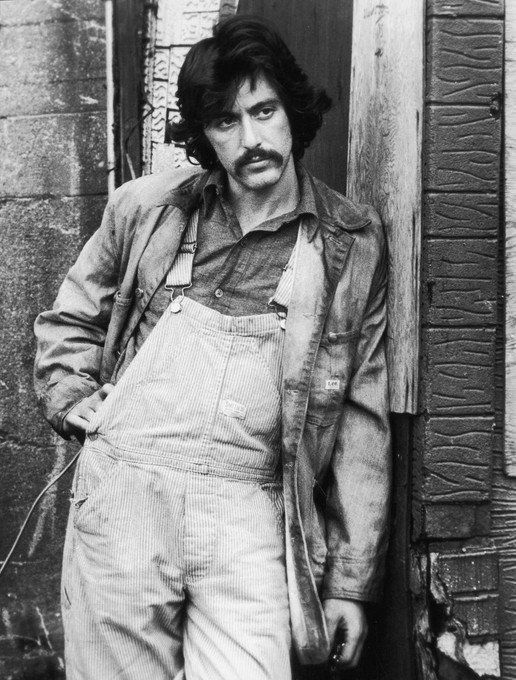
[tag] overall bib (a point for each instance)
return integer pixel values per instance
(174, 562)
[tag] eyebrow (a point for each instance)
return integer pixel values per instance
(255, 108)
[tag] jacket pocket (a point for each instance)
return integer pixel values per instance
(331, 377)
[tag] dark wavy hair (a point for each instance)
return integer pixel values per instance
(242, 47)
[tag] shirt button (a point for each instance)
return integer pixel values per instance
(138, 292)
(219, 293)
(332, 338)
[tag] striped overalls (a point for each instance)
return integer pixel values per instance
(174, 561)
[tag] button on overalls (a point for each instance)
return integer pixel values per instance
(174, 561)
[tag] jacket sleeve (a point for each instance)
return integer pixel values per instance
(357, 501)
(70, 337)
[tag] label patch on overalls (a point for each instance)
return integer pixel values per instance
(332, 384)
(233, 409)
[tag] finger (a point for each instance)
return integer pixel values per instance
(351, 649)
(75, 422)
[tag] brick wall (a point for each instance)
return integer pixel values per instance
(52, 193)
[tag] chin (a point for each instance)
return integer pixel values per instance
(261, 181)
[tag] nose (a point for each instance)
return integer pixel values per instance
(250, 138)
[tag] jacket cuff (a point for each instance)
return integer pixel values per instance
(57, 401)
(350, 579)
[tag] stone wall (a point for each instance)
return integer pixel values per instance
(458, 621)
(52, 193)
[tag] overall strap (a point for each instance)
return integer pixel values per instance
(180, 274)
(284, 290)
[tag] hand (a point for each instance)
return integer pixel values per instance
(79, 416)
(349, 617)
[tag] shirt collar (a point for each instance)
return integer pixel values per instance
(215, 186)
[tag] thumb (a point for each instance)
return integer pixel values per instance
(105, 390)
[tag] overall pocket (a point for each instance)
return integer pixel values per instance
(93, 479)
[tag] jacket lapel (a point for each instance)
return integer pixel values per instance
(161, 248)
(318, 269)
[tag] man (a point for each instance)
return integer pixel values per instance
(219, 345)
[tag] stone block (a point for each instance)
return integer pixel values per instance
(478, 613)
(454, 459)
(462, 149)
(468, 571)
(40, 240)
(464, 60)
(448, 520)
(19, 12)
(60, 154)
(52, 67)
(457, 8)
(461, 215)
(460, 282)
(459, 375)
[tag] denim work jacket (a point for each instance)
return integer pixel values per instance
(335, 426)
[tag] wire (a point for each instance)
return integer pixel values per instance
(33, 507)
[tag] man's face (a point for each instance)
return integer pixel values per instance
(252, 140)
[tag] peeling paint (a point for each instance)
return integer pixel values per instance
(88, 100)
(482, 658)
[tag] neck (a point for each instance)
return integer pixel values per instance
(254, 206)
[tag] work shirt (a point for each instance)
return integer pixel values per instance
(234, 274)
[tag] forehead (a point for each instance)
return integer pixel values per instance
(249, 94)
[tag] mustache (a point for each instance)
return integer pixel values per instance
(261, 154)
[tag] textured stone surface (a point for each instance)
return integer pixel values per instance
(463, 149)
(61, 154)
(41, 239)
(460, 279)
(456, 458)
(470, 570)
(478, 613)
(457, 8)
(458, 379)
(17, 12)
(449, 520)
(461, 215)
(464, 60)
(52, 67)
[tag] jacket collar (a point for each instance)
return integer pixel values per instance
(325, 206)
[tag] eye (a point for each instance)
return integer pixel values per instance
(225, 122)
(266, 113)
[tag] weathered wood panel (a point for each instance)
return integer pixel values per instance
(510, 247)
(460, 279)
(459, 375)
(463, 149)
(466, 7)
(384, 165)
(461, 215)
(456, 464)
(463, 63)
